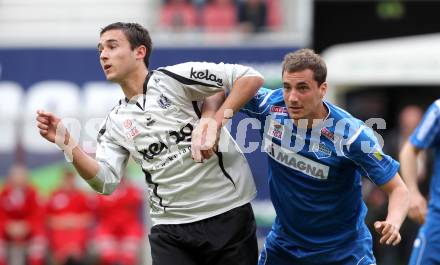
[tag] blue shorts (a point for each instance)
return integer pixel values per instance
(276, 252)
(426, 248)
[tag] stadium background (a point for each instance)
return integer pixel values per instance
(381, 57)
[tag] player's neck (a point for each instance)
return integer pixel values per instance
(133, 84)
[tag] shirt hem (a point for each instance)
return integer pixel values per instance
(205, 216)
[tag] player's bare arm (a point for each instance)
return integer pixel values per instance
(418, 206)
(397, 209)
(242, 91)
(204, 143)
(205, 138)
(51, 129)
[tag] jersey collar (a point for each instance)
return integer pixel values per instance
(140, 100)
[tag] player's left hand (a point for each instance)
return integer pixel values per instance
(389, 233)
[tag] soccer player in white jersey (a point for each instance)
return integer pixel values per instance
(200, 211)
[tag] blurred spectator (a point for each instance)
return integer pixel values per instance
(178, 15)
(408, 119)
(22, 235)
(69, 219)
(274, 14)
(219, 16)
(252, 15)
(119, 229)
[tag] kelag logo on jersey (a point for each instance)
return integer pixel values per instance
(206, 76)
(174, 137)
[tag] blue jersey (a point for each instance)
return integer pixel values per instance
(426, 247)
(315, 174)
(427, 135)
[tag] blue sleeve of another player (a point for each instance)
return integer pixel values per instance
(258, 104)
(427, 133)
(366, 153)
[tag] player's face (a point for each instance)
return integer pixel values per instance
(116, 56)
(303, 96)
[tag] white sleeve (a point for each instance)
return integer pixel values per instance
(204, 79)
(112, 160)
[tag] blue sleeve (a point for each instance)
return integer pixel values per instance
(367, 154)
(427, 132)
(258, 104)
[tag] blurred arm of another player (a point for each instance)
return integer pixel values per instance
(417, 204)
(397, 209)
(205, 137)
(52, 129)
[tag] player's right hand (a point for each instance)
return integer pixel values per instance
(389, 233)
(204, 139)
(47, 122)
(417, 207)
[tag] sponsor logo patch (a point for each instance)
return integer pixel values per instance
(321, 150)
(206, 76)
(378, 156)
(276, 130)
(174, 138)
(278, 110)
(132, 132)
(127, 124)
(328, 134)
(296, 161)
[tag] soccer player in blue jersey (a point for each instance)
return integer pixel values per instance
(317, 155)
(426, 249)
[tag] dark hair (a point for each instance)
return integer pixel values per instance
(306, 59)
(136, 34)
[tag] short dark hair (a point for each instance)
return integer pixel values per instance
(306, 59)
(136, 34)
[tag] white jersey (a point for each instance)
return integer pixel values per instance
(155, 129)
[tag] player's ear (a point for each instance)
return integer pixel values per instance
(323, 89)
(141, 52)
